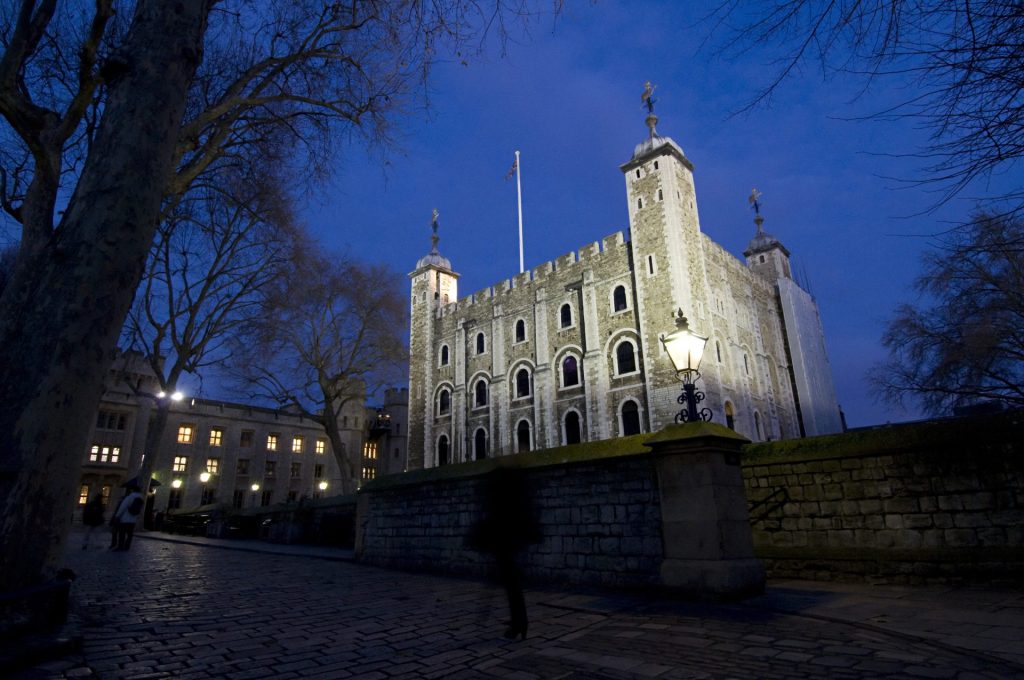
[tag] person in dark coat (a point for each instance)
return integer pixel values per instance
(507, 527)
(92, 517)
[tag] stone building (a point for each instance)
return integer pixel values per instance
(284, 454)
(571, 350)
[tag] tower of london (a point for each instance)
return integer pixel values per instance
(570, 351)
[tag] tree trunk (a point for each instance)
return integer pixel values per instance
(341, 455)
(61, 313)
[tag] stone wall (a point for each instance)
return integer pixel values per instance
(600, 518)
(924, 502)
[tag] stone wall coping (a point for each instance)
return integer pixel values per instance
(933, 436)
(972, 554)
(696, 435)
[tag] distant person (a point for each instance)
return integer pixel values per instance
(508, 526)
(125, 517)
(92, 517)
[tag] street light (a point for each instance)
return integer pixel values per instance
(685, 348)
(176, 484)
(322, 486)
(204, 477)
(255, 488)
(176, 396)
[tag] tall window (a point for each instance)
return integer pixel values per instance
(522, 383)
(442, 450)
(298, 443)
(619, 298)
(480, 343)
(83, 494)
(272, 441)
(718, 351)
(270, 468)
(730, 417)
(320, 447)
(180, 464)
(185, 433)
(296, 470)
(520, 331)
(565, 316)
(625, 358)
(444, 355)
(572, 428)
(216, 436)
(266, 497)
(630, 418)
(107, 420)
(242, 467)
(570, 372)
(480, 393)
(523, 436)
(238, 499)
(757, 424)
(174, 499)
(370, 450)
(746, 365)
(480, 444)
(245, 439)
(318, 471)
(213, 465)
(444, 402)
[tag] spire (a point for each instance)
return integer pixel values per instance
(762, 241)
(434, 257)
(647, 98)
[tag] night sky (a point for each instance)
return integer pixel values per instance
(835, 188)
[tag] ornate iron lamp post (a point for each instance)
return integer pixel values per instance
(685, 348)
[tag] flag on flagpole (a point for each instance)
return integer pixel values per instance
(512, 171)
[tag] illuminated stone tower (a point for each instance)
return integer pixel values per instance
(434, 285)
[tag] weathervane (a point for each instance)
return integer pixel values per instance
(435, 238)
(755, 201)
(648, 100)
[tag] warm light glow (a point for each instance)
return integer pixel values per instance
(323, 486)
(255, 487)
(161, 394)
(176, 484)
(204, 477)
(177, 396)
(685, 348)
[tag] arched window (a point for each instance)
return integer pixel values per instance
(572, 428)
(444, 403)
(570, 372)
(520, 331)
(730, 417)
(480, 444)
(480, 393)
(523, 436)
(480, 343)
(566, 315)
(630, 418)
(522, 383)
(757, 425)
(619, 298)
(444, 355)
(625, 358)
(442, 450)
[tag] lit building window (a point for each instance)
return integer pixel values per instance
(297, 444)
(369, 473)
(370, 450)
(185, 433)
(272, 442)
(216, 436)
(83, 494)
(212, 465)
(180, 464)
(104, 454)
(321, 446)
(105, 492)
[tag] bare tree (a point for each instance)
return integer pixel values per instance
(332, 334)
(209, 268)
(120, 107)
(964, 342)
(964, 62)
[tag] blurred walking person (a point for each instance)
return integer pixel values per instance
(126, 517)
(92, 517)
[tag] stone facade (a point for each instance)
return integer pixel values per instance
(286, 454)
(571, 350)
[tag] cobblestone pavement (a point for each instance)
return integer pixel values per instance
(174, 610)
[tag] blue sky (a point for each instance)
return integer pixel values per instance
(568, 97)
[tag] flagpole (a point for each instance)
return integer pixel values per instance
(519, 201)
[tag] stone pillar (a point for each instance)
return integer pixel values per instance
(708, 543)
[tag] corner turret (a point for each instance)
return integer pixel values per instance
(765, 254)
